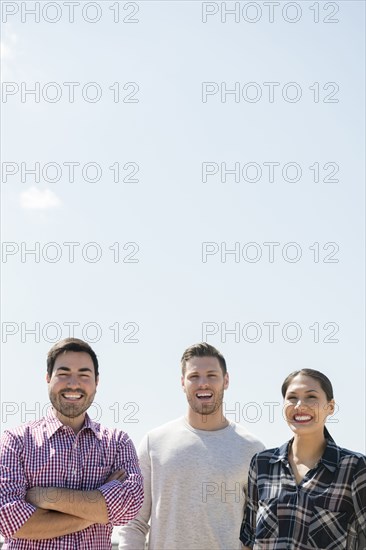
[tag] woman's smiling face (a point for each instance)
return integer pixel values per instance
(306, 406)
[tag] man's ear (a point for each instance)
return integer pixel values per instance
(226, 381)
(97, 381)
(182, 383)
(48, 378)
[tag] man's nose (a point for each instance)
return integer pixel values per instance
(72, 382)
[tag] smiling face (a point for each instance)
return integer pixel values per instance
(306, 406)
(72, 386)
(204, 384)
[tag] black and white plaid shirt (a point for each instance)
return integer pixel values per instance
(327, 510)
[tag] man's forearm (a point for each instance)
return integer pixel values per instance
(44, 524)
(88, 505)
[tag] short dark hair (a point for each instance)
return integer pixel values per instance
(202, 350)
(70, 344)
(324, 382)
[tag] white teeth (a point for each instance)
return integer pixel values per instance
(204, 394)
(302, 418)
(72, 396)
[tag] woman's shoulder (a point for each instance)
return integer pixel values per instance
(275, 454)
(351, 456)
(351, 463)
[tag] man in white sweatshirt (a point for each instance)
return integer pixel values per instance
(195, 468)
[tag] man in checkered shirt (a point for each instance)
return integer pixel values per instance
(66, 480)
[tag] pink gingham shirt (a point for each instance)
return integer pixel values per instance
(48, 454)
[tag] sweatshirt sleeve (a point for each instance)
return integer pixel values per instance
(133, 535)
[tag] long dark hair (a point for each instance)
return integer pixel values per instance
(324, 382)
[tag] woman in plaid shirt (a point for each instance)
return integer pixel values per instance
(309, 493)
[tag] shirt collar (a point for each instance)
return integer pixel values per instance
(53, 424)
(330, 457)
(281, 453)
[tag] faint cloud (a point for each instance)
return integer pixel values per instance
(35, 199)
(4, 51)
(8, 44)
(9, 52)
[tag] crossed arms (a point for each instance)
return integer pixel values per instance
(67, 509)
(49, 512)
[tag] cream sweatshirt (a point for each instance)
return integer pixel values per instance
(195, 484)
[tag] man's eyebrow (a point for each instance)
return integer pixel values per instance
(306, 391)
(67, 369)
(211, 371)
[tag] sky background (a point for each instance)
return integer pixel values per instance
(150, 271)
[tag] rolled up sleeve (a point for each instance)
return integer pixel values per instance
(14, 510)
(124, 499)
(358, 490)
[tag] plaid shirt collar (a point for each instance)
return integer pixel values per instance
(53, 424)
(330, 458)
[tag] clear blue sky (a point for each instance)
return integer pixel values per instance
(151, 98)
